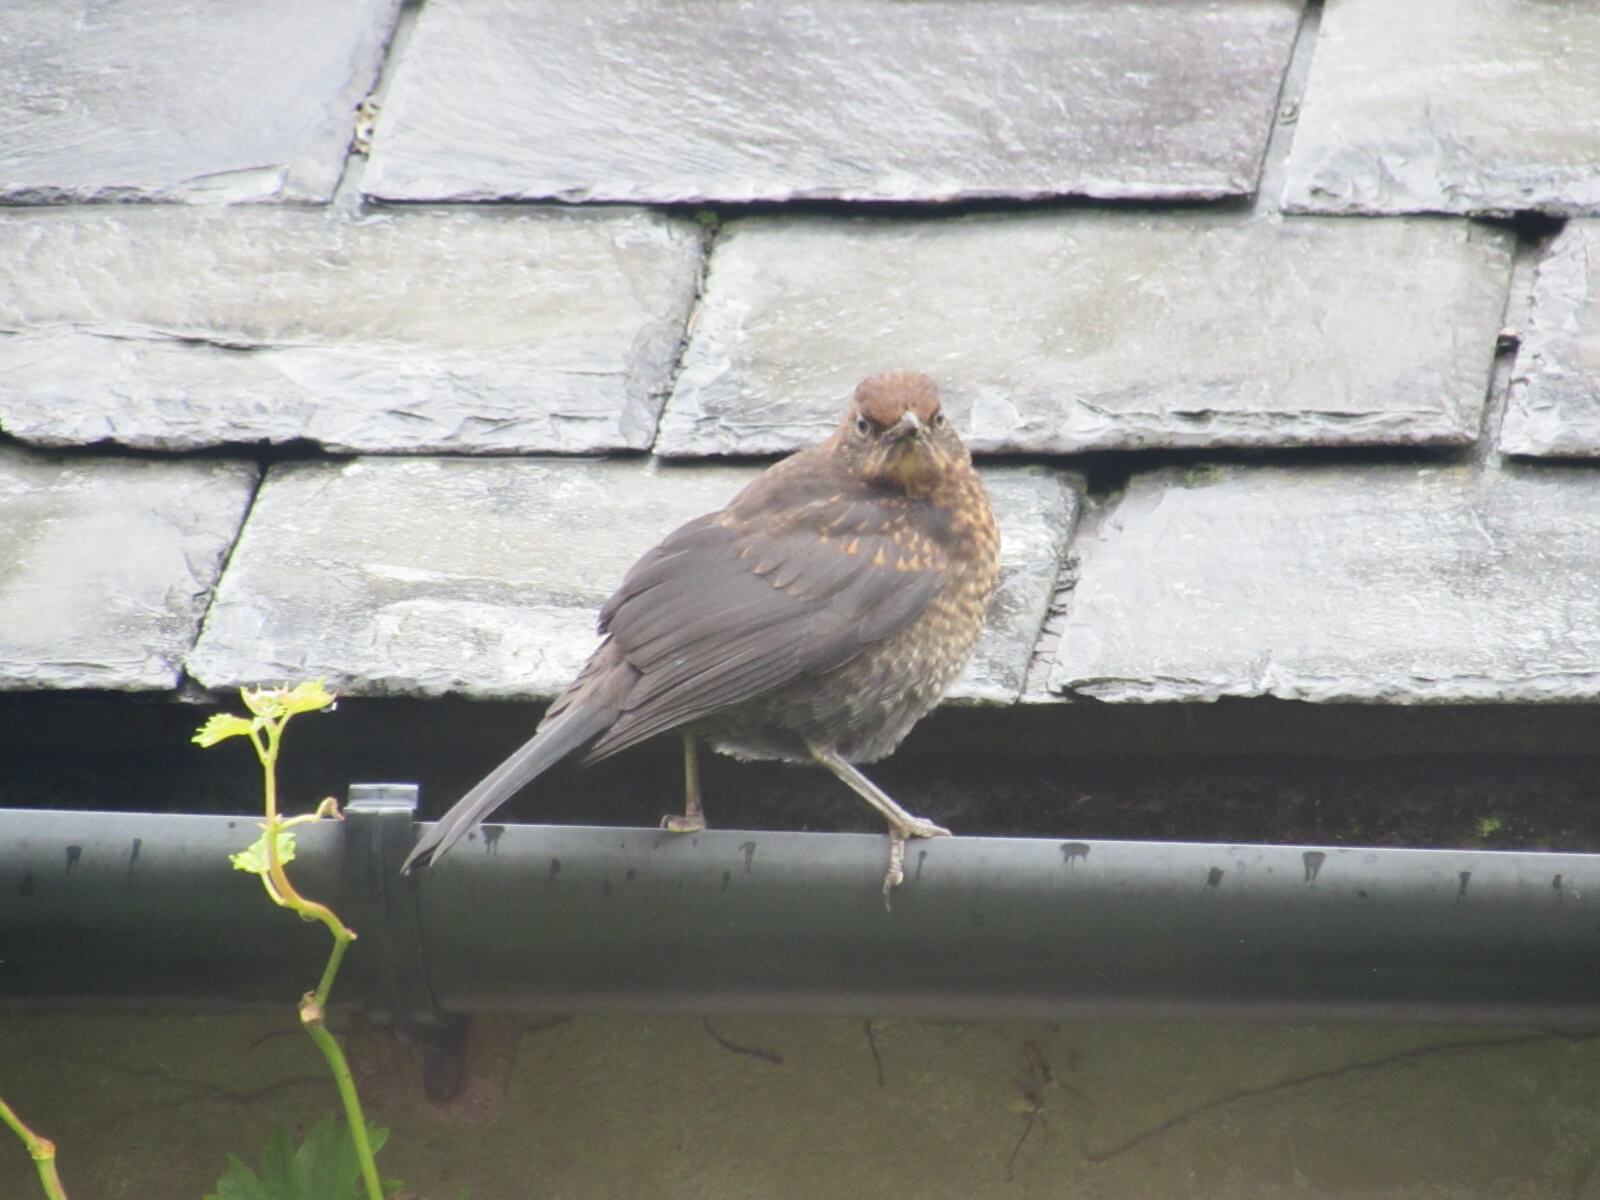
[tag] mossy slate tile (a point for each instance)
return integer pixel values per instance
(493, 330)
(1554, 407)
(1075, 331)
(427, 576)
(1333, 584)
(189, 100)
(108, 565)
(671, 100)
(1440, 106)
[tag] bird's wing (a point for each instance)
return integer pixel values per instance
(734, 604)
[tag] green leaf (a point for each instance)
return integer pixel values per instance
(326, 1164)
(324, 1167)
(222, 726)
(240, 1182)
(307, 697)
(277, 703)
(254, 859)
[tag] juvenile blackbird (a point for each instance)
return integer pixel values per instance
(816, 618)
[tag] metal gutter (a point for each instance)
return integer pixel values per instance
(136, 909)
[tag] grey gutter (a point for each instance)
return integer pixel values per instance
(126, 909)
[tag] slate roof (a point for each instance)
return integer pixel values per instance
(1277, 331)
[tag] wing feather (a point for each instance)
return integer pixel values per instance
(737, 603)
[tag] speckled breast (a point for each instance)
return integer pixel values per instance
(865, 708)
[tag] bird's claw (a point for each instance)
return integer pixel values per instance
(680, 823)
(917, 827)
(896, 874)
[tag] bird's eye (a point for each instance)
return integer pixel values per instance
(863, 426)
(938, 420)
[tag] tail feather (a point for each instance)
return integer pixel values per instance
(556, 740)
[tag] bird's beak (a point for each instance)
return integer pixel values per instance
(910, 459)
(909, 425)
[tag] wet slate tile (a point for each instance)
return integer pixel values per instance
(1554, 407)
(641, 100)
(420, 576)
(1072, 331)
(490, 330)
(109, 563)
(197, 100)
(1037, 509)
(1438, 106)
(1380, 584)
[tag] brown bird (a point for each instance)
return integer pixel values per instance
(816, 618)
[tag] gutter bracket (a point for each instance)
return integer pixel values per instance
(380, 827)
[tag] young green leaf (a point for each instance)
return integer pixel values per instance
(276, 703)
(324, 1167)
(254, 859)
(222, 726)
(307, 697)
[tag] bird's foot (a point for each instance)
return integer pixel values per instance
(899, 833)
(896, 874)
(683, 823)
(918, 827)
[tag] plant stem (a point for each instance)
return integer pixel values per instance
(311, 1014)
(335, 957)
(43, 1151)
(286, 894)
(313, 1005)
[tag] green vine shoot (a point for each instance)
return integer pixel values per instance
(42, 1149)
(271, 709)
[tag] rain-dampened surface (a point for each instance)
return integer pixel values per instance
(375, 341)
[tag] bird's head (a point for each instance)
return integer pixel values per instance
(896, 435)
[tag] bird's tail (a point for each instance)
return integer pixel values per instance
(538, 754)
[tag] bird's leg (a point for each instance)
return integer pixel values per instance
(902, 825)
(694, 817)
(907, 825)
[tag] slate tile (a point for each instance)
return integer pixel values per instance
(1382, 584)
(1072, 331)
(416, 576)
(490, 330)
(1037, 509)
(1439, 106)
(190, 100)
(645, 100)
(109, 564)
(1554, 407)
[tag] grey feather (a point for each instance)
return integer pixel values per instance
(554, 741)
